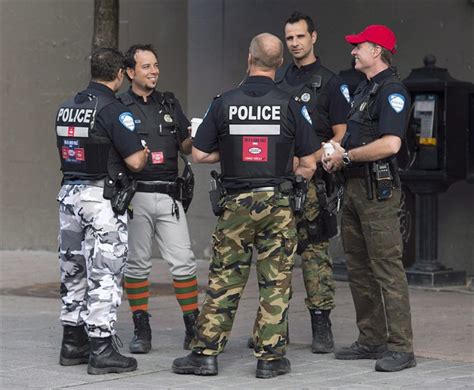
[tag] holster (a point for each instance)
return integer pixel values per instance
(186, 184)
(120, 192)
(217, 194)
(324, 226)
(298, 194)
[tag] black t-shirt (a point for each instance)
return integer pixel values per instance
(116, 121)
(337, 103)
(306, 141)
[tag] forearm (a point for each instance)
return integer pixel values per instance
(377, 150)
(306, 166)
(200, 157)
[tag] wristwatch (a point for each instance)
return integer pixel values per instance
(346, 160)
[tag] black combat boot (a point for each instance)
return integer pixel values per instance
(105, 358)
(395, 361)
(195, 364)
(322, 335)
(272, 368)
(141, 341)
(360, 351)
(75, 347)
(190, 321)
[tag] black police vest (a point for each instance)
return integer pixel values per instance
(256, 141)
(314, 95)
(363, 118)
(158, 129)
(83, 150)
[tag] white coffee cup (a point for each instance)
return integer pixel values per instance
(328, 149)
(195, 122)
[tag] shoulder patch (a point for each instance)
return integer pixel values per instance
(126, 119)
(345, 92)
(397, 102)
(305, 113)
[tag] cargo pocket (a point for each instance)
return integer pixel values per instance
(385, 239)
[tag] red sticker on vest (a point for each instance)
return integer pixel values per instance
(70, 131)
(157, 158)
(255, 149)
(73, 154)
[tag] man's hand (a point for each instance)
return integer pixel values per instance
(333, 162)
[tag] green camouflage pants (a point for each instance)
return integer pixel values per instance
(264, 221)
(316, 261)
(373, 246)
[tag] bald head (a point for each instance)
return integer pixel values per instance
(266, 52)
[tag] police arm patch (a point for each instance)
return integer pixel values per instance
(397, 102)
(345, 92)
(126, 119)
(305, 113)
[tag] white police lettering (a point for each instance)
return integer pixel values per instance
(256, 113)
(345, 92)
(397, 102)
(75, 115)
(126, 119)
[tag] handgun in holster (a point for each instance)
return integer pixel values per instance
(186, 184)
(125, 189)
(300, 188)
(327, 218)
(217, 193)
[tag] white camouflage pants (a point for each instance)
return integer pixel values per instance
(92, 254)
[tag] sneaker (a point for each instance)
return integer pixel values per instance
(360, 351)
(395, 361)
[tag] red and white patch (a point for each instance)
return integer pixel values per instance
(157, 158)
(255, 149)
(70, 131)
(73, 154)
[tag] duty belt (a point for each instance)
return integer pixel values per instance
(96, 183)
(246, 190)
(162, 188)
(355, 172)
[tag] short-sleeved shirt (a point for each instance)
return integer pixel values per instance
(336, 104)
(391, 107)
(207, 136)
(110, 121)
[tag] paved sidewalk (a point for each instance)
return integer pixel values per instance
(31, 334)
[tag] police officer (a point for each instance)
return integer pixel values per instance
(157, 209)
(95, 138)
(254, 131)
(327, 99)
(370, 214)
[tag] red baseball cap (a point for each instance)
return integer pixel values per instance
(375, 33)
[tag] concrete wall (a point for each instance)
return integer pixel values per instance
(203, 48)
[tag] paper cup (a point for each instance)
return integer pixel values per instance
(328, 149)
